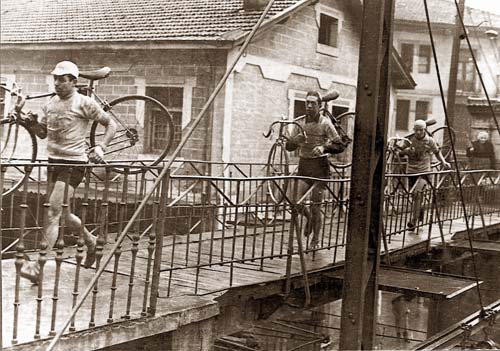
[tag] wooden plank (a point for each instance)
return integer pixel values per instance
(484, 246)
(420, 283)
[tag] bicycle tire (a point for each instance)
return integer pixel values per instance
(442, 136)
(277, 165)
(18, 146)
(149, 135)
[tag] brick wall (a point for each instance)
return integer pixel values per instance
(149, 67)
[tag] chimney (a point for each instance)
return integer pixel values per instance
(254, 5)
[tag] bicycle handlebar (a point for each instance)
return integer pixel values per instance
(282, 123)
(38, 96)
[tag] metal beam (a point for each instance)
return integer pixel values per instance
(469, 326)
(367, 178)
(455, 53)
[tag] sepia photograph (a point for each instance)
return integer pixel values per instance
(249, 175)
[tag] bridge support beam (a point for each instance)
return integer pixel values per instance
(359, 298)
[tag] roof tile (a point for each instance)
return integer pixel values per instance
(28, 21)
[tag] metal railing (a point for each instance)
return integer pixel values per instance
(198, 234)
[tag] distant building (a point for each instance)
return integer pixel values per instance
(411, 38)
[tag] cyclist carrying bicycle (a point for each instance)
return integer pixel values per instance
(64, 123)
(321, 138)
(419, 151)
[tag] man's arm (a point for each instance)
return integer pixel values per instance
(39, 128)
(295, 140)
(441, 159)
(109, 133)
(435, 148)
(334, 143)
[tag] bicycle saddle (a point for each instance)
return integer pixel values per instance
(100, 73)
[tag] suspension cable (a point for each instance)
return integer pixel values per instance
(457, 170)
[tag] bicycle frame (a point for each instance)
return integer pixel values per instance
(91, 92)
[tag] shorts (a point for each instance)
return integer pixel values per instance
(61, 172)
(421, 179)
(314, 167)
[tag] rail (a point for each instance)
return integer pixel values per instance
(215, 233)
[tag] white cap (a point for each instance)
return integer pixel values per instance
(66, 67)
(420, 123)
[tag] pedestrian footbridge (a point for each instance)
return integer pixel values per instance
(205, 254)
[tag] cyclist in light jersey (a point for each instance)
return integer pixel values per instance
(64, 123)
(321, 135)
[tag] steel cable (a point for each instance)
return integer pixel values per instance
(454, 153)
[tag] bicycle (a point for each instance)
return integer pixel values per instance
(395, 164)
(444, 137)
(278, 160)
(144, 136)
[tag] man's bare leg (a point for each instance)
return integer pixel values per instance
(30, 270)
(302, 187)
(316, 217)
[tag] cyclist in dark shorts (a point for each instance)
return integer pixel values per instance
(64, 123)
(419, 152)
(320, 140)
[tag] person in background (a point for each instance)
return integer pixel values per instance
(482, 153)
(64, 123)
(419, 152)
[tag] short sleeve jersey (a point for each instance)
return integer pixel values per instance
(317, 133)
(67, 123)
(420, 159)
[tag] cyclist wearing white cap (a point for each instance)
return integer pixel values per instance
(64, 123)
(419, 153)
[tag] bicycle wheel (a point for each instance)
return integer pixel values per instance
(343, 160)
(442, 136)
(144, 136)
(277, 165)
(18, 146)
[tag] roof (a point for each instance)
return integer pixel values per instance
(442, 11)
(401, 77)
(78, 21)
(49, 21)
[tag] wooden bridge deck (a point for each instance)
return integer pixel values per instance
(177, 282)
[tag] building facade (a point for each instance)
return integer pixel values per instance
(412, 40)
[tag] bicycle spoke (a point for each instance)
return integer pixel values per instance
(145, 135)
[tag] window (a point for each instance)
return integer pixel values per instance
(338, 110)
(329, 22)
(402, 114)
(424, 59)
(422, 110)
(466, 77)
(172, 99)
(299, 108)
(328, 30)
(407, 56)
